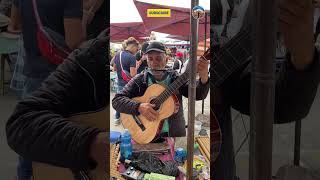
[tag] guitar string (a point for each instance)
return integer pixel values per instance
(170, 90)
(163, 96)
(237, 60)
(232, 42)
(235, 43)
(177, 83)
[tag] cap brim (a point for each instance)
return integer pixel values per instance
(154, 49)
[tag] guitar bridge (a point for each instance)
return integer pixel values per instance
(139, 123)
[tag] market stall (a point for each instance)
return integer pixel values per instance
(158, 160)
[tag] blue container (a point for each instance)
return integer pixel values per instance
(114, 137)
(126, 146)
(180, 155)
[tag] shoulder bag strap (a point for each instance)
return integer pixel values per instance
(121, 60)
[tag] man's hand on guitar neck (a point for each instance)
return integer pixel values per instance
(98, 151)
(146, 109)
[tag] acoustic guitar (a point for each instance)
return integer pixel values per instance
(226, 60)
(42, 171)
(141, 129)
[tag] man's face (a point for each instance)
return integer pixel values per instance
(156, 60)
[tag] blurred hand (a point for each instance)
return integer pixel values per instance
(296, 25)
(316, 3)
(146, 109)
(202, 68)
(99, 151)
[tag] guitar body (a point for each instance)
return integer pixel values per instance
(151, 127)
(42, 171)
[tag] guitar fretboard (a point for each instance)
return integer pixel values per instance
(173, 87)
(233, 55)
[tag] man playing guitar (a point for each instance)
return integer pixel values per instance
(173, 126)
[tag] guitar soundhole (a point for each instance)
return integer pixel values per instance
(155, 102)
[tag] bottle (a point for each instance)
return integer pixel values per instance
(126, 146)
(180, 155)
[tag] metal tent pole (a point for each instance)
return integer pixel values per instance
(297, 143)
(192, 89)
(263, 88)
(205, 48)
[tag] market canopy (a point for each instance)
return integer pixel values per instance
(177, 24)
(178, 37)
(122, 31)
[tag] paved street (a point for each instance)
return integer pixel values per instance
(283, 143)
(8, 158)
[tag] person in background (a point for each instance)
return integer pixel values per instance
(63, 17)
(178, 62)
(5, 6)
(141, 58)
(125, 63)
(94, 17)
(17, 80)
(14, 30)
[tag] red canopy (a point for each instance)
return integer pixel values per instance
(178, 37)
(122, 31)
(178, 24)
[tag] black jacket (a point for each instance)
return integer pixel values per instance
(38, 129)
(137, 86)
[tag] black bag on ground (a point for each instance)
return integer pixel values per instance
(147, 162)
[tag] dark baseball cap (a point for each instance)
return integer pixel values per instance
(156, 46)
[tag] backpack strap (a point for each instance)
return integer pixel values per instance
(180, 65)
(121, 60)
(36, 14)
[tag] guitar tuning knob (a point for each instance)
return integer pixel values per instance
(198, 12)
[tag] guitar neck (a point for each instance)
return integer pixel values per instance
(173, 87)
(232, 56)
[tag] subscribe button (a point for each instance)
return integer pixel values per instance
(158, 13)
